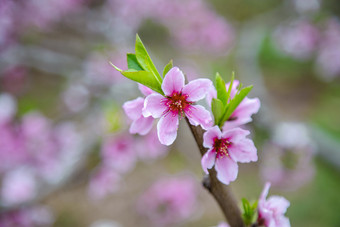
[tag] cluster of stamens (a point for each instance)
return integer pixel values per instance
(177, 104)
(221, 147)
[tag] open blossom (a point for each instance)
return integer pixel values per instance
(133, 109)
(178, 101)
(225, 150)
(242, 114)
(271, 210)
(169, 201)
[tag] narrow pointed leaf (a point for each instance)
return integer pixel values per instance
(235, 102)
(133, 63)
(217, 109)
(144, 59)
(145, 78)
(116, 68)
(167, 68)
(221, 89)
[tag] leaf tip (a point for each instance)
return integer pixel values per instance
(118, 69)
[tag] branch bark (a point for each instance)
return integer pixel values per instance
(222, 193)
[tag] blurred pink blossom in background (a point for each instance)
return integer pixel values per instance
(169, 201)
(287, 159)
(298, 39)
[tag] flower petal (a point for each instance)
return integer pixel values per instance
(208, 160)
(154, 106)
(235, 135)
(278, 203)
(167, 129)
(212, 93)
(244, 151)
(226, 169)
(265, 191)
(210, 135)
(196, 89)
(173, 81)
(133, 108)
(198, 115)
(141, 126)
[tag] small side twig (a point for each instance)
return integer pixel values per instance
(219, 191)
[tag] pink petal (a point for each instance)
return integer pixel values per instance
(133, 108)
(167, 129)
(198, 115)
(145, 90)
(234, 88)
(210, 135)
(212, 93)
(278, 203)
(196, 89)
(235, 135)
(283, 222)
(265, 191)
(154, 106)
(243, 113)
(141, 126)
(226, 169)
(208, 160)
(244, 151)
(173, 81)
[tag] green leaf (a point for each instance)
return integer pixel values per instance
(217, 108)
(145, 78)
(235, 102)
(249, 212)
(116, 68)
(221, 89)
(133, 63)
(144, 59)
(167, 68)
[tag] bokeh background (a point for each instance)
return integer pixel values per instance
(61, 119)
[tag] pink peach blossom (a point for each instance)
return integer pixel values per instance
(271, 210)
(178, 101)
(242, 114)
(225, 150)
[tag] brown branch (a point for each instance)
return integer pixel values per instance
(219, 191)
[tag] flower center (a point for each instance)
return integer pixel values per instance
(177, 103)
(221, 147)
